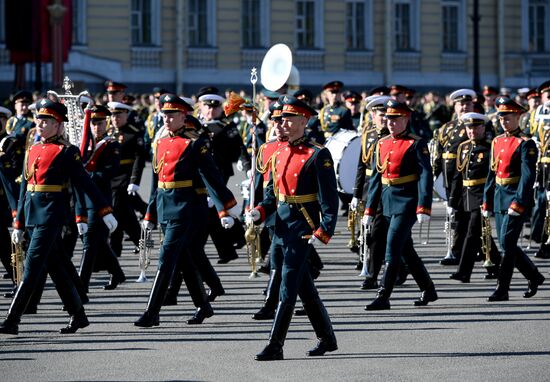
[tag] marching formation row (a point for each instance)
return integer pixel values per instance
(376, 156)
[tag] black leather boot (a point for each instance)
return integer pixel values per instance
(274, 350)
(267, 312)
(382, 300)
(116, 279)
(500, 294)
(533, 286)
(77, 321)
(18, 305)
(322, 326)
(171, 297)
(427, 296)
(201, 314)
(151, 315)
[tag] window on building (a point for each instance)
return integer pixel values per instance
(251, 23)
(305, 24)
(453, 28)
(406, 21)
(356, 25)
(142, 22)
(201, 23)
(79, 22)
(538, 19)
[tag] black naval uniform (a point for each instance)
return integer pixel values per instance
(102, 165)
(132, 161)
(473, 158)
(541, 201)
(226, 145)
(449, 137)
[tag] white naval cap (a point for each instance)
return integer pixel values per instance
(211, 99)
(5, 111)
(474, 118)
(119, 106)
(462, 94)
(376, 102)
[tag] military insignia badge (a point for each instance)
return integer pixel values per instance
(327, 163)
(203, 150)
(532, 152)
(334, 118)
(425, 151)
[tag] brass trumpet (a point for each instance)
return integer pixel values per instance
(486, 241)
(354, 218)
(146, 245)
(253, 248)
(17, 260)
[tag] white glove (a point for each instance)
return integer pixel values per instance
(17, 236)
(315, 242)
(82, 228)
(248, 173)
(485, 213)
(210, 202)
(147, 225)
(422, 218)
(227, 222)
(367, 220)
(536, 185)
(547, 195)
(252, 216)
(110, 222)
(354, 202)
(512, 212)
(450, 211)
(132, 189)
(240, 166)
(234, 212)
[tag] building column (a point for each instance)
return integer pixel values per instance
(388, 43)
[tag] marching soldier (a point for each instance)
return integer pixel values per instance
(179, 160)
(313, 128)
(352, 101)
(509, 192)
(448, 138)
(226, 145)
(21, 123)
(527, 121)
(102, 165)
(49, 164)
(473, 157)
(126, 180)
(542, 189)
(402, 181)
(334, 116)
(302, 194)
(153, 123)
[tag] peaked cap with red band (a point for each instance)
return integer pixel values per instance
(293, 106)
(173, 103)
(50, 109)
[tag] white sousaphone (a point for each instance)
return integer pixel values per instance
(277, 70)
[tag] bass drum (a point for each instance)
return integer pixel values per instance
(345, 148)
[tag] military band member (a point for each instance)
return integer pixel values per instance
(527, 121)
(402, 181)
(448, 138)
(226, 145)
(179, 159)
(473, 158)
(352, 100)
(509, 192)
(313, 128)
(21, 123)
(126, 180)
(49, 164)
(302, 193)
(102, 165)
(542, 189)
(334, 116)
(6, 205)
(154, 122)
